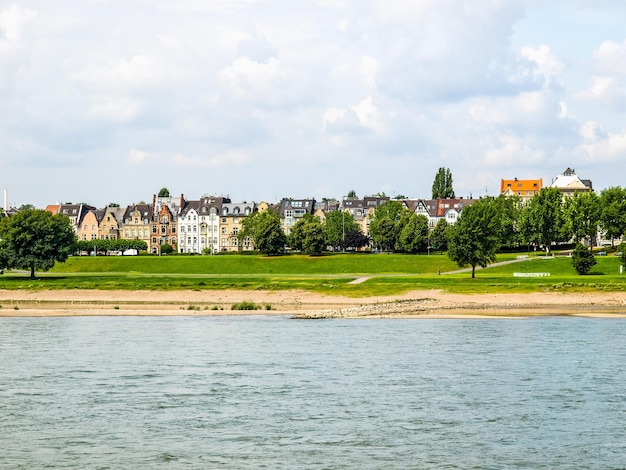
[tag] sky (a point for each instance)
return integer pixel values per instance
(108, 101)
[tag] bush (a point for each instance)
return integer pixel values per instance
(245, 305)
(582, 259)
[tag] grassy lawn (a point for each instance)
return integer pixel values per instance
(387, 274)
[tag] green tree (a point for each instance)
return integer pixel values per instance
(296, 237)
(508, 209)
(35, 239)
(352, 194)
(384, 225)
(414, 235)
(314, 239)
(613, 212)
(543, 219)
(384, 233)
(582, 259)
(164, 192)
(265, 231)
(442, 185)
(439, 235)
(475, 238)
(387, 223)
(338, 223)
(583, 215)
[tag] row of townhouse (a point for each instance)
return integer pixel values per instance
(212, 224)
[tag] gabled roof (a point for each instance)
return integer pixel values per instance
(144, 209)
(569, 180)
(190, 206)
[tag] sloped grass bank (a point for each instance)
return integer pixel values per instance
(385, 275)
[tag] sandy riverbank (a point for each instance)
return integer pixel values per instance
(301, 304)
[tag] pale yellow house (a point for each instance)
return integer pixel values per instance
(136, 220)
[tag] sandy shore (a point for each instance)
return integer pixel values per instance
(301, 304)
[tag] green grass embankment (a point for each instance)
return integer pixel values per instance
(387, 274)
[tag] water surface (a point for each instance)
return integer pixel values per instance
(271, 392)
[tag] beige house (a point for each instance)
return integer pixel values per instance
(136, 223)
(362, 210)
(111, 223)
(90, 225)
(231, 219)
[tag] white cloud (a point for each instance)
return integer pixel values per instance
(548, 67)
(12, 22)
(138, 156)
(605, 149)
(264, 87)
(230, 159)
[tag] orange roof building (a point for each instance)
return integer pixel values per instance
(524, 189)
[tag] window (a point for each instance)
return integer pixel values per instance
(235, 230)
(223, 230)
(235, 220)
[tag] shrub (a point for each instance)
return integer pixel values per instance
(582, 259)
(245, 305)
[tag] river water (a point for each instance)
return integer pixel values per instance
(272, 392)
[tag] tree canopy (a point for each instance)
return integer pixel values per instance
(442, 185)
(34, 239)
(475, 238)
(387, 224)
(613, 212)
(414, 234)
(164, 192)
(265, 231)
(543, 219)
(337, 225)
